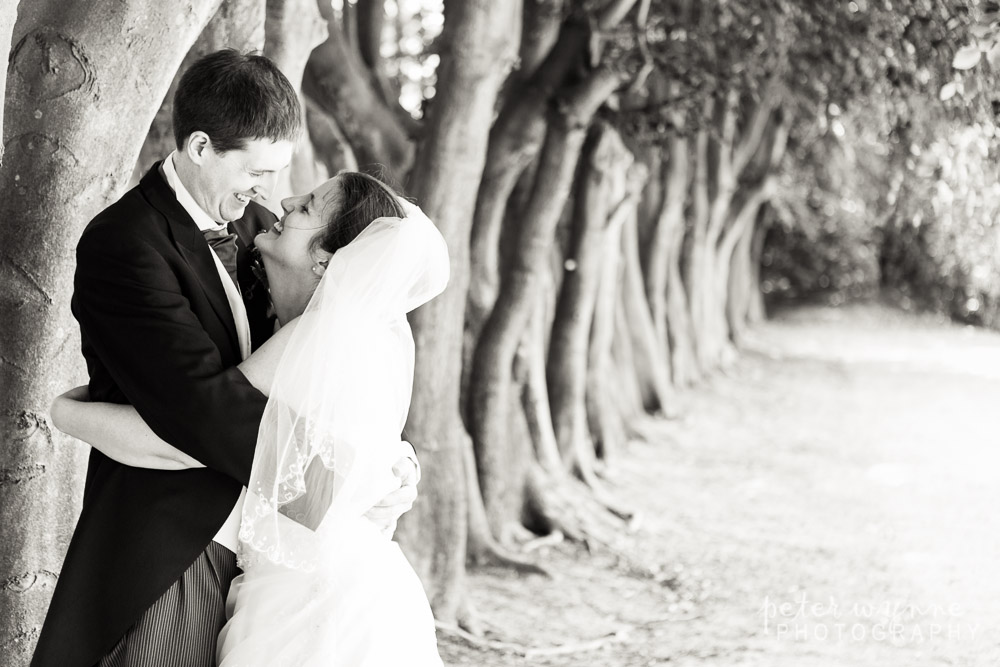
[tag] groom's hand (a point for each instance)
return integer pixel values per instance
(387, 511)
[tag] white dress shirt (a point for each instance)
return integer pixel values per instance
(229, 533)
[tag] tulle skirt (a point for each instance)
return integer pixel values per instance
(363, 606)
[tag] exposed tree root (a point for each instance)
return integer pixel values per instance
(529, 652)
(519, 535)
(601, 494)
(562, 503)
(497, 556)
(550, 540)
(478, 641)
(653, 430)
(482, 549)
(466, 618)
(621, 634)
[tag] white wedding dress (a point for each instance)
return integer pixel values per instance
(321, 584)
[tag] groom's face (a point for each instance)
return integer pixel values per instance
(226, 182)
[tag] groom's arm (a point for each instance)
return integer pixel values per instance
(142, 329)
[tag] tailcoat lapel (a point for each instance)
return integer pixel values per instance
(192, 246)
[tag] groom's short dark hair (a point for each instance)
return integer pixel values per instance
(235, 97)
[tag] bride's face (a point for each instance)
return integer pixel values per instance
(288, 246)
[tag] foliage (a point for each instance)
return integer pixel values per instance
(816, 53)
(914, 213)
(891, 182)
(407, 42)
(941, 248)
(821, 243)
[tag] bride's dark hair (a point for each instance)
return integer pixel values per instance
(361, 199)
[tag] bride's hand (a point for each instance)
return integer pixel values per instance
(388, 510)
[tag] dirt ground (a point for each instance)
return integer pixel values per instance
(830, 501)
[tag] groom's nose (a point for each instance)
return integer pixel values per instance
(265, 188)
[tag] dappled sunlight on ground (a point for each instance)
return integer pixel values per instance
(829, 501)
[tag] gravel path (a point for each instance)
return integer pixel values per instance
(832, 500)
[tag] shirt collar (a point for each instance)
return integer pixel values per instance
(184, 198)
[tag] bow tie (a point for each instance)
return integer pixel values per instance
(224, 245)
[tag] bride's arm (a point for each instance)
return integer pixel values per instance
(260, 366)
(117, 431)
(120, 433)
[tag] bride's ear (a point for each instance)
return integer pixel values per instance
(319, 266)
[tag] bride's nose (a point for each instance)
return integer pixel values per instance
(287, 204)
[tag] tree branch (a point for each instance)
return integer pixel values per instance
(331, 145)
(371, 18)
(582, 101)
(292, 29)
(747, 214)
(754, 132)
(539, 34)
(337, 80)
(727, 136)
(614, 13)
(700, 195)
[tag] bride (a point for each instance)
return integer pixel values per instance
(321, 584)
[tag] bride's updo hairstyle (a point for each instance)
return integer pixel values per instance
(361, 199)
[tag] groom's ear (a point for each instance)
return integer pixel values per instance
(197, 147)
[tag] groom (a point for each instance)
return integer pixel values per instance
(168, 306)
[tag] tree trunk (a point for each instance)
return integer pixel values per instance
(8, 15)
(554, 501)
(338, 81)
(668, 218)
(237, 24)
(519, 133)
(293, 28)
(370, 21)
(535, 390)
(329, 144)
(741, 285)
(730, 158)
(736, 246)
(714, 348)
(603, 413)
(515, 140)
(650, 205)
(696, 247)
(684, 369)
(731, 295)
(77, 112)
(475, 59)
(627, 393)
(492, 362)
(756, 313)
(540, 28)
(651, 352)
(566, 370)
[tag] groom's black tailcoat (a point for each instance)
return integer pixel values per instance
(158, 333)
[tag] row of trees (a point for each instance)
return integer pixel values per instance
(601, 170)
